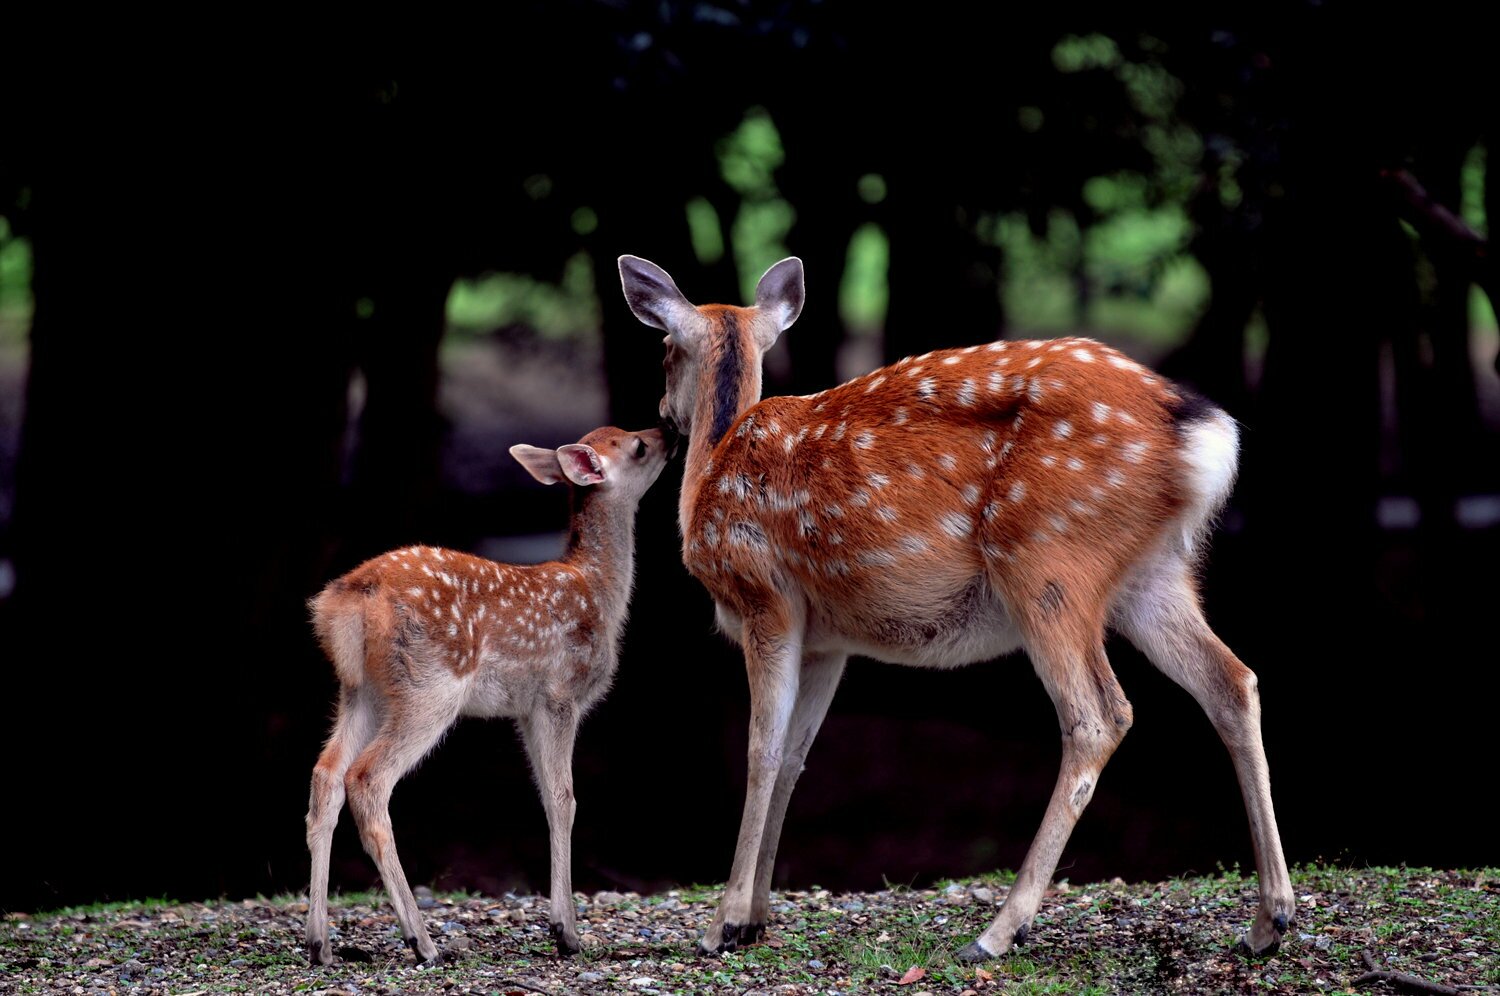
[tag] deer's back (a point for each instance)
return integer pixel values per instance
(963, 488)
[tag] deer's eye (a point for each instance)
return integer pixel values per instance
(640, 448)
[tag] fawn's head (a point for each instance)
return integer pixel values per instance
(714, 348)
(622, 463)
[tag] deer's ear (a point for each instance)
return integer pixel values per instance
(779, 294)
(654, 298)
(539, 463)
(581, 464)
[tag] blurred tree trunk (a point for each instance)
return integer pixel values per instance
(944, 282)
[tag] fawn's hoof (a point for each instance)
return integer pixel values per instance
(318, 953)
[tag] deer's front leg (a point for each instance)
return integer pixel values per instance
(817, 682)
(773, 653)
(549, 734)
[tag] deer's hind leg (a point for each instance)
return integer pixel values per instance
(408, 732)
(1064, 636)
(1159, 612)
(353, 727)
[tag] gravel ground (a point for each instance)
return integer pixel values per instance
(1175, 936)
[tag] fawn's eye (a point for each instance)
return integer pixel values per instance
(640, 448)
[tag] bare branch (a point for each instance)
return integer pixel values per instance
(1409, 983)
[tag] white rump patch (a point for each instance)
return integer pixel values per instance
(1210, 453)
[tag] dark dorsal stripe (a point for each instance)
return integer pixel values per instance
(1189, 408)
(727, 378)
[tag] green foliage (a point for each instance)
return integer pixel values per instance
(865, 293)
(16, 302)
(748, 159)
(706, 232)
(568, 310)
(1471, 206)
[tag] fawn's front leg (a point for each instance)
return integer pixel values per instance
(549, 733)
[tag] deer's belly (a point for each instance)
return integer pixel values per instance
(926, 629)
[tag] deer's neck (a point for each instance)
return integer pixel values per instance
(728, 386)
(601, 543)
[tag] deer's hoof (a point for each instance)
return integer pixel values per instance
(567, 940)
(735, 936)
(1264, 935)
(972, 954)
(425, 961)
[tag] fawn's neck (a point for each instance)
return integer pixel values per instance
(601, 543)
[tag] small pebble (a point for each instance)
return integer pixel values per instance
(983, 895)
(607, 898)
(815, 965)
(590, 977)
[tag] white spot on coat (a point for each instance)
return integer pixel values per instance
(957, 524)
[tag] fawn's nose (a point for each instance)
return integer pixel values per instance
(670, 435)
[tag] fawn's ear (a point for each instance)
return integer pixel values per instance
(779, 294)
(581, 463)
(539, 463)
(653, 296)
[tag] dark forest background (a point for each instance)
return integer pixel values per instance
(260, 319)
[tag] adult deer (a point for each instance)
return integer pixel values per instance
(421, 636)
(950, 508)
